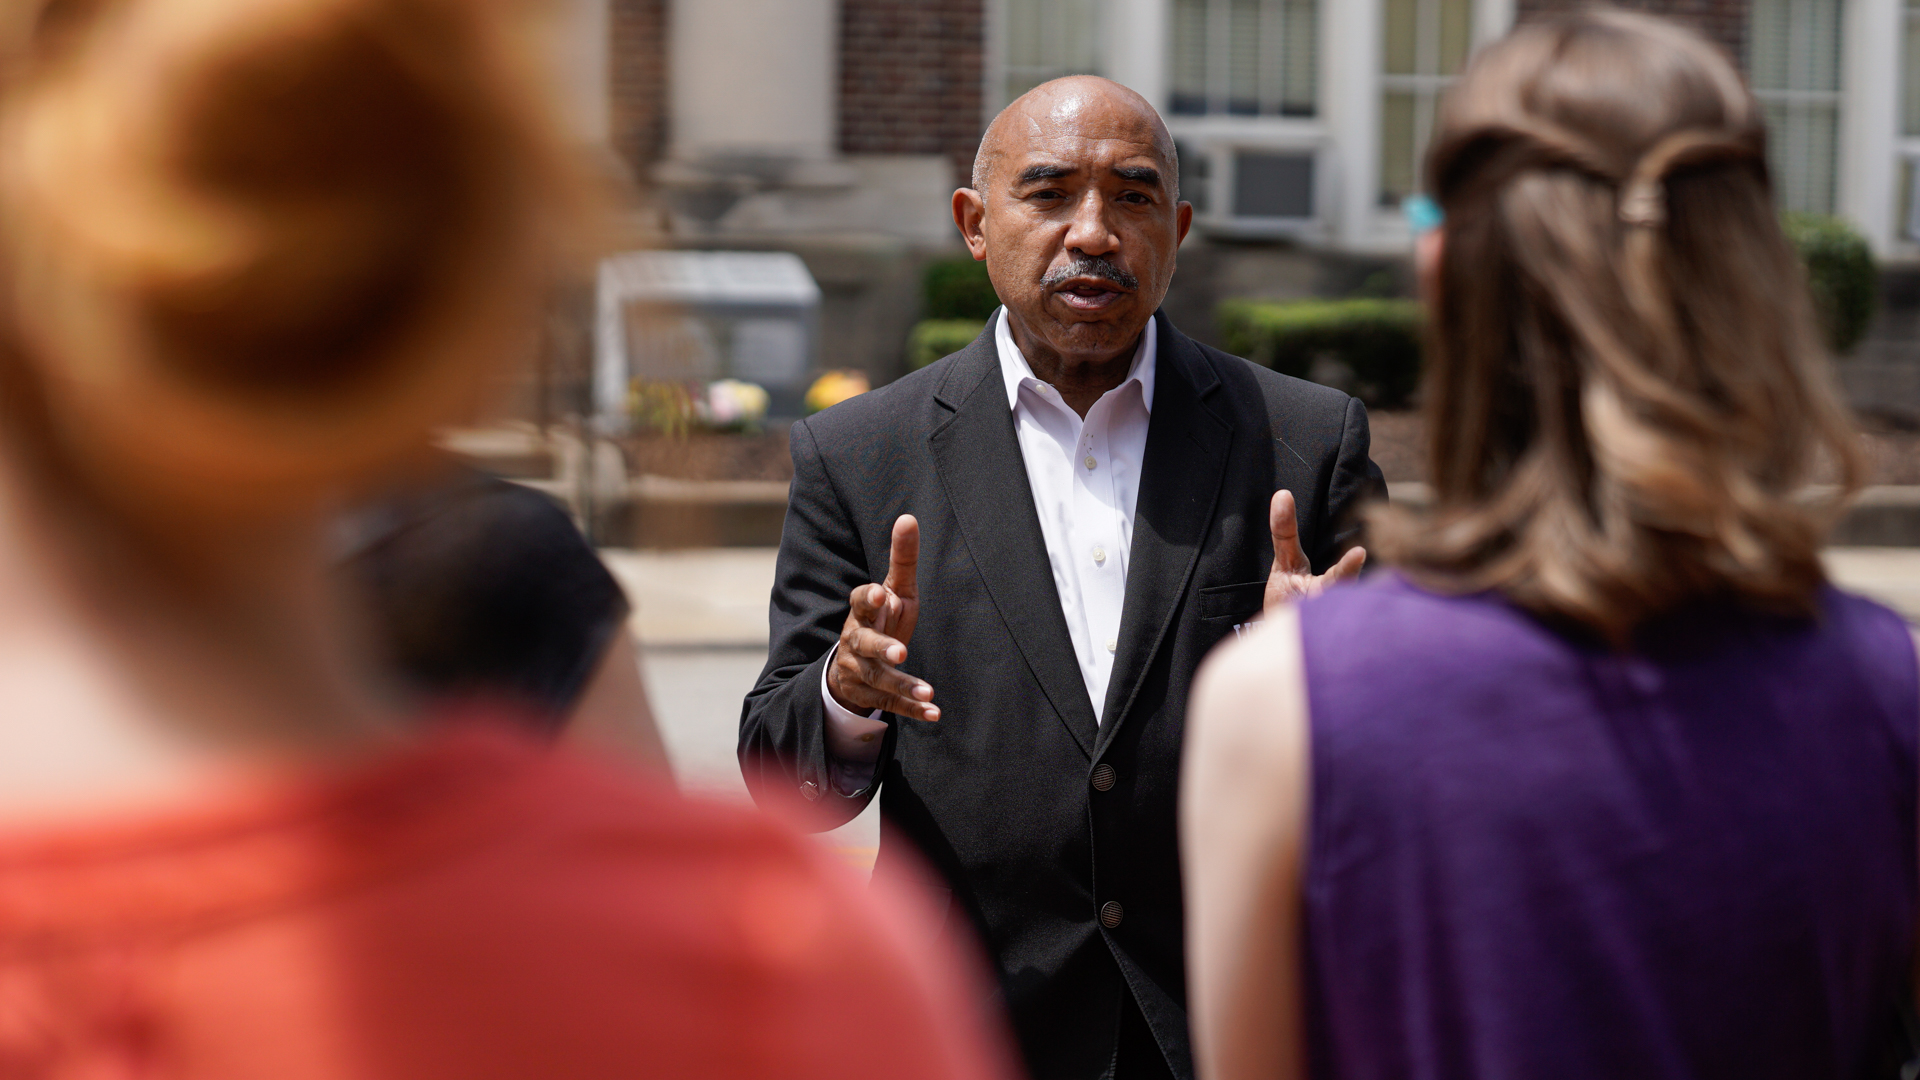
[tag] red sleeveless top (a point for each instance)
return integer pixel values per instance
(475, 907)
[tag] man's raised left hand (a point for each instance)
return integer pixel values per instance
(1292, 577)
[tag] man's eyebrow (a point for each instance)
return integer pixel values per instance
(1043, 172)
(1139, 174)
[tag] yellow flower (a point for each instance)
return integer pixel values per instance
(835, 387)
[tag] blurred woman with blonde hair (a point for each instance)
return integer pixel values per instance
(251, 253)
(1602, 779)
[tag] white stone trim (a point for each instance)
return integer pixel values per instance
(1870, 152)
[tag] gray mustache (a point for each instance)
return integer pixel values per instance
(1090, 266)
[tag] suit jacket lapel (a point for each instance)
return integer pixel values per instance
(1184, 466)
(977, 456)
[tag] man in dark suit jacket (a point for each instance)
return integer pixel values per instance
(1040, 782)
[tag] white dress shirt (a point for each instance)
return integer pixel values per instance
(1085, 477)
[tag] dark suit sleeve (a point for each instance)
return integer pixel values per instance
(783, 750)
(1356, 481)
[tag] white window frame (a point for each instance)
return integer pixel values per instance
(1797, 46)
(1138, 50)
(998, 67)
(1270, 91)
(1905, 238)
(1344, 135)
(1873, 147)
(1355, 59)
(1426, 89)
(1221, 143)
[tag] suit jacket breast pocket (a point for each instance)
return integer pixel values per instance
(1236, 602)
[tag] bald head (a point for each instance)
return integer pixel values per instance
(1075, 208)
(1080, 105)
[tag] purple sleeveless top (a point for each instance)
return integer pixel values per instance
(1533, 858)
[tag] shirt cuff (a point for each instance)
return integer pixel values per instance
(852, 739)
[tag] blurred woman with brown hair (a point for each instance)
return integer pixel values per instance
(251, 253)
(1603, 779)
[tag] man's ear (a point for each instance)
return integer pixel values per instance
(970, 213)
(1183, 220)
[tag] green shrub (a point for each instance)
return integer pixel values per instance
(1841, 273)
(1378, 341)
(934, 338)
(958, 289)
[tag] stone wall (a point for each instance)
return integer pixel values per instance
(911, 78)
(638, 78)
(1724, 21)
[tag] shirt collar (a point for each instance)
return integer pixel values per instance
(1015, 370)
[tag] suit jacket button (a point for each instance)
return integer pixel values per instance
(811, 790)
(1103, 777)
(1111, 913)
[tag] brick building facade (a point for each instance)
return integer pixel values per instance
(637, 82)
(917, 78)
(912, 78)
(1295, 195)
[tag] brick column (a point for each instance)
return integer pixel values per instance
(638, 82)
(911, 78)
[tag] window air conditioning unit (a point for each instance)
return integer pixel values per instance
(1273, 186)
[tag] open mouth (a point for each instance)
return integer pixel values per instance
(1089, 294)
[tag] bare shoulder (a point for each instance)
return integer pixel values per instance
(1249, 702)
(1243, 823)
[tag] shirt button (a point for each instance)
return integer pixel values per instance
(1099, 556)
(1111, 913)
(1113, 645)
(1091, 463)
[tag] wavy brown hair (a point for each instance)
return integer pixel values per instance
(1625, 394)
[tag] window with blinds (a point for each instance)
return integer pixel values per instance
(1425, 44)
(1793, 61)
(1244, 58)
(1046, 39)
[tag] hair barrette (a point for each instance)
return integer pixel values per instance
(1644, 204)
(1423, 214)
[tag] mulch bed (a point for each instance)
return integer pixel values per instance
(708, 456)
(1399, 444)
(1399, 447)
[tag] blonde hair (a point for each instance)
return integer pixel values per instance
(1626, 394)
(257, 247)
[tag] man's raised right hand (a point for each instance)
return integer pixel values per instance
(866, 671)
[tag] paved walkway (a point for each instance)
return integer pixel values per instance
(702, 617)
(715, 597)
